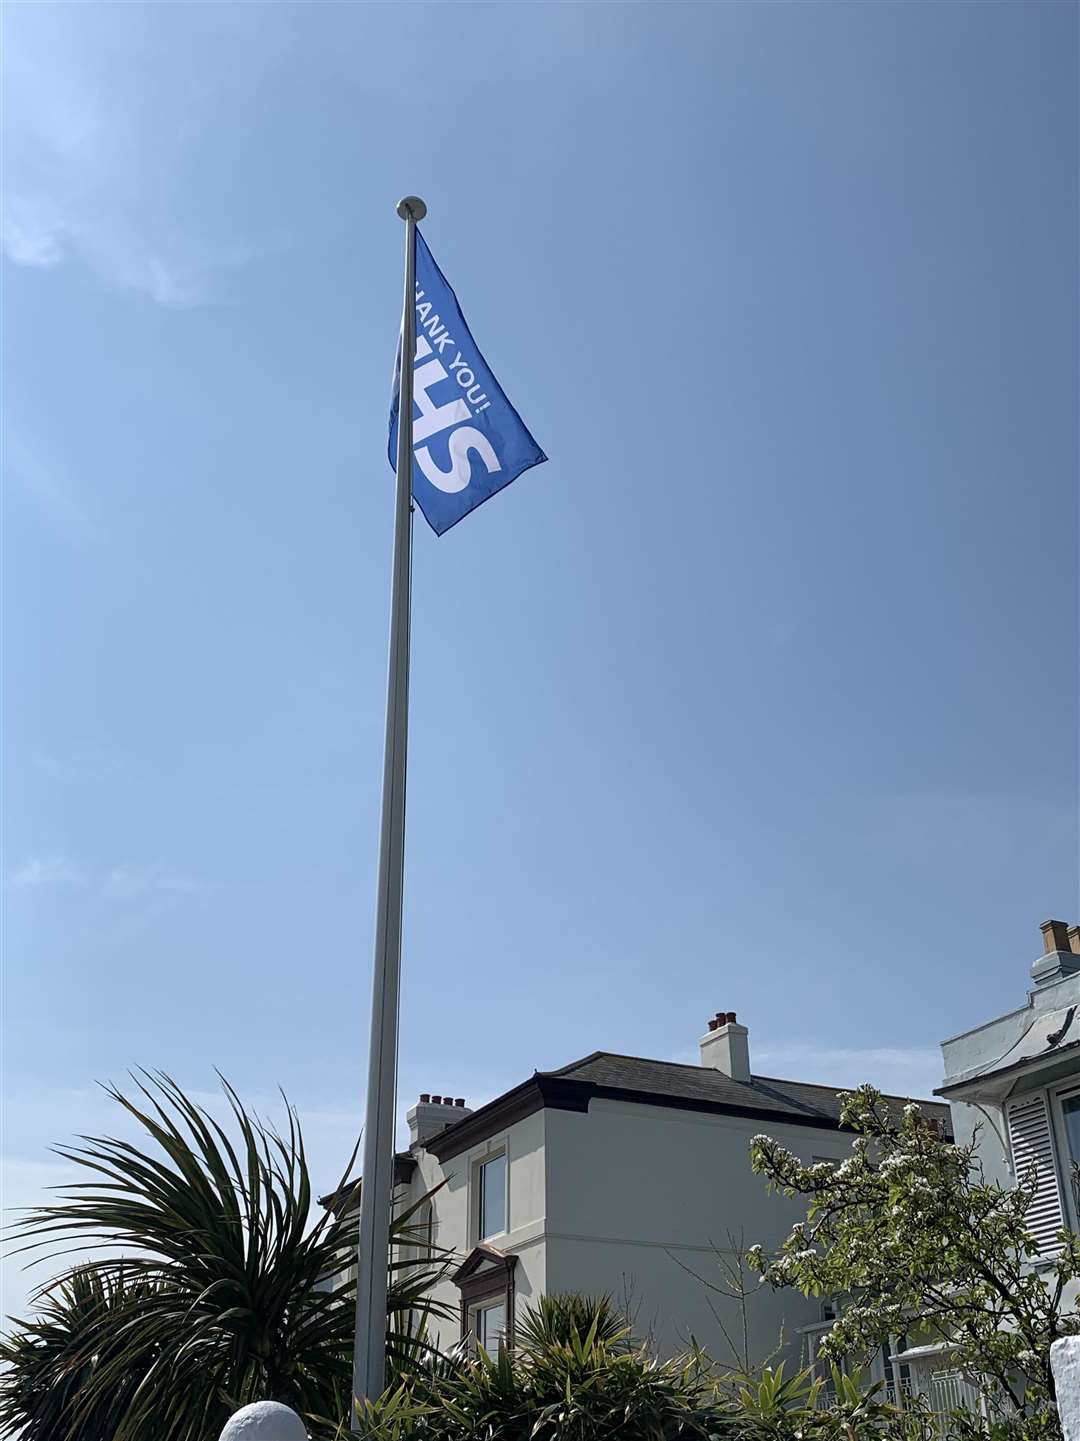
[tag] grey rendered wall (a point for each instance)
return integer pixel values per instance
(455, 1210)
(644, 1201)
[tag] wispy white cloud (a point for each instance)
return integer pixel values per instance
(39, 872)
(30, 236)
(126, 882)
(90, 134)
(54, 125)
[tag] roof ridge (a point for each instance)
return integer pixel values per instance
(696, 1066)
(583, 1061)
(626, 1056)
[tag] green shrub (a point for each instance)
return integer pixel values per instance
(575, 1374)
(225, 1292)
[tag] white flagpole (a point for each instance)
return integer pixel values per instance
(369, 1354)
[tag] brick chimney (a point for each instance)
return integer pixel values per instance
(433, 1114)
(726, 1046)
(1061, 953)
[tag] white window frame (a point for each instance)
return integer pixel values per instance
(1060, 1137)
(492, 1152)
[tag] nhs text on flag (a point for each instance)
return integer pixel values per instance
(468, 440)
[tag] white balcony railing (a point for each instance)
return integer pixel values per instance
(895, 1393)
(950, 1390)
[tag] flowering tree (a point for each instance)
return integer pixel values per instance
(907, 1228)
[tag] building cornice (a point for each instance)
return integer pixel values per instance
(563, 1093)
(538, 1093)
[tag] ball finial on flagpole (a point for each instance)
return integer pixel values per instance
(412, 208)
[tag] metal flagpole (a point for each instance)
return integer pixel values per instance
(369, 1354)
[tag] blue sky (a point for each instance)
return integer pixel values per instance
(761, 695)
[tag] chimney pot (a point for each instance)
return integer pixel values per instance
(428, 1118)
(1055, 936)
(1061, 953)
(726, 1047)
(460, 1101)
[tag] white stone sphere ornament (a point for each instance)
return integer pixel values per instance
(265, 1421)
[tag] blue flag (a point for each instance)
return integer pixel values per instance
(468, 440)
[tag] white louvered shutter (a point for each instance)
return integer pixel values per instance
(1033, 1145)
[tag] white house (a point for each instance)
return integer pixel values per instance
(622, 1175)
(1013, 1085)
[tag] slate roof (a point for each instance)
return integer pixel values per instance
(764, 1094)
(607, 1076)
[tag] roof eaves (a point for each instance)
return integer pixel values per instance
(562, 1089)
(541, 1090)
(971, 1083)
(789, 1116)
(404, 1167)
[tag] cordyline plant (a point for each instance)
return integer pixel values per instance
(46, 1364)
(909, 1231)
(576, 1373)
(224, 1290)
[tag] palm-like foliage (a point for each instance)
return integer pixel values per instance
(581, 1387)
(588, 1385)
(575, 1374)
(555, 1318)
(48, 1364)
(224, 1291)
